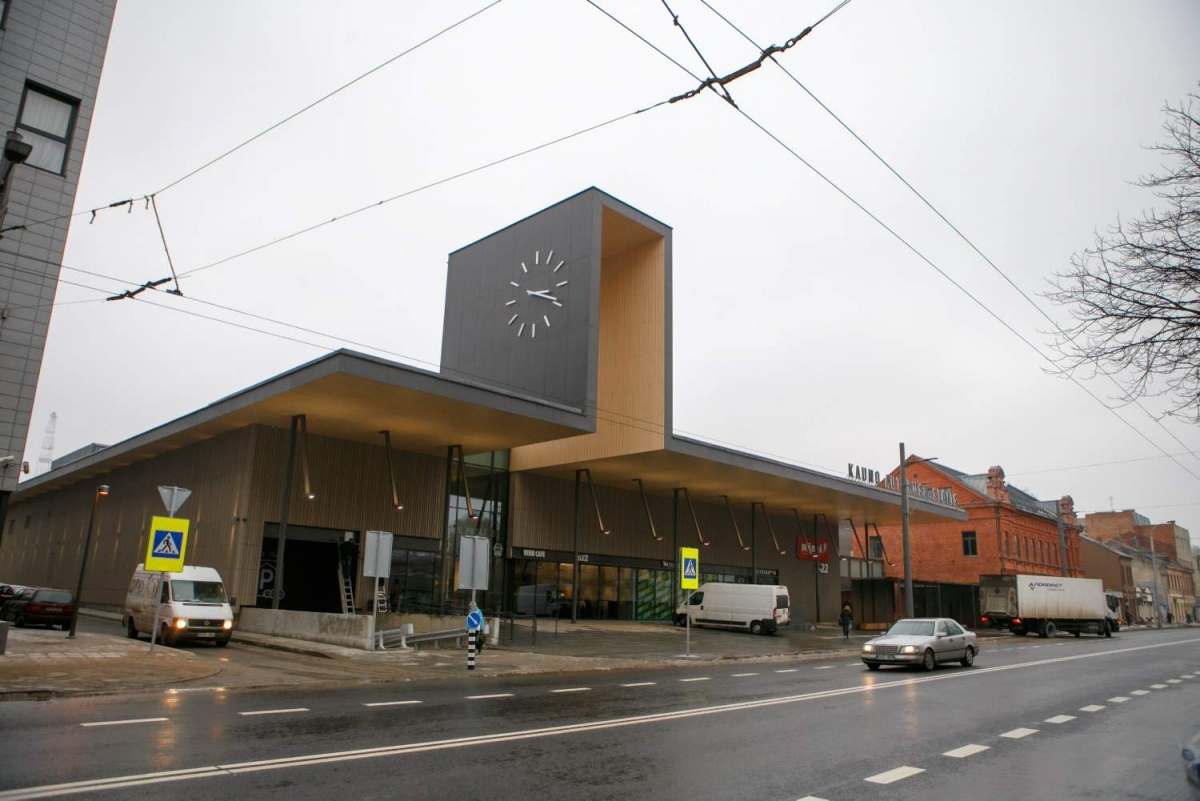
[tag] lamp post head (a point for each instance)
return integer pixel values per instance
(102, 491)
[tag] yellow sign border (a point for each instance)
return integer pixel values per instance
(684, 555)
(164, 564)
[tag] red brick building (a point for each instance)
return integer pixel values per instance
(1007, 531)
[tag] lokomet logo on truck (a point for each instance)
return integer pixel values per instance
(168, 544)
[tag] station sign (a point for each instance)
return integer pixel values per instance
(814, 550)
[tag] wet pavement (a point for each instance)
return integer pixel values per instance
(1065, 718)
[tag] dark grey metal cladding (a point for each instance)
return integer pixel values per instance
(478, 343)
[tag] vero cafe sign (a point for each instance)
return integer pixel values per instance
(923, 492)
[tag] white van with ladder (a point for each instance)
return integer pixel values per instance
(191, 606)
(759, 608)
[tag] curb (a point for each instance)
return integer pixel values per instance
(285, 647)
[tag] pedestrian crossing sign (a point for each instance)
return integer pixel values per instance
(167, 544)
(689, 577)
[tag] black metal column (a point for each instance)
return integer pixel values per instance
(443, 591)
(575, 561)
(675, 548)
(286, 506)
(753, 546)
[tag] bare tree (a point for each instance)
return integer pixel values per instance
(1135, 295)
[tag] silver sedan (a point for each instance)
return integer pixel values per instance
(923, 641)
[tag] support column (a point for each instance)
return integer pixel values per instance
(575, 561)
(283, 514)
(675, 548)
(443, 591)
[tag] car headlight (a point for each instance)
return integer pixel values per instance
(1189, 755)
(181, 622)
(908, 649)
(868, 648)
(227, 625)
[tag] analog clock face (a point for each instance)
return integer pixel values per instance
(537, 295)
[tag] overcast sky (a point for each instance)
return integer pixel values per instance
(1024, 122)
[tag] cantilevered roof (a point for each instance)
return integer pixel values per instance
(351, 396)
(708, 471)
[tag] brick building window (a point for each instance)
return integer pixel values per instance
(969, 544)
(874, 548)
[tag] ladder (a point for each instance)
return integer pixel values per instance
(347, 591)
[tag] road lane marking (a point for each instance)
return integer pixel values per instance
(894, 775)
(392, 703)
(1061, 718)
(1158, 686)
(743, 675)
(274, 711)
(966, 751)
(824, 667)
(640, 684)
(1118, 699)
(123, 722)
(1174, 681)
(1091, 708)
(813, 798)
(1140, 692)
(787, 670)
(402, 749)
(1017, 734)
(485, 697)
(572, 690)
(698, 678)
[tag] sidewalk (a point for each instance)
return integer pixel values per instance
(40, 663)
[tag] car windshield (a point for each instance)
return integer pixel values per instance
(919, 628)
(205, 592)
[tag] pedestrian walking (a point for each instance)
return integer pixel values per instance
(847, 620)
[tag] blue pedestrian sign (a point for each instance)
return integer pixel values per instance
(166, 545)
(475, 620)
(689, 577)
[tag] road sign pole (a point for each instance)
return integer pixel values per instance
(470, 650)
(687, 616)
(157, 604)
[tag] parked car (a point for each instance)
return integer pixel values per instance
(9, 591)
(923, 642)
(1191, 765)
(191, 606)
(40, 606)
(759, 608)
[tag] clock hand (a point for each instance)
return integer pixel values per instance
(543, 293)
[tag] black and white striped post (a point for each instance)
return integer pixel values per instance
(471, 650)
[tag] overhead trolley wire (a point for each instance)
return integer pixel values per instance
(943, 217)
(763, 56)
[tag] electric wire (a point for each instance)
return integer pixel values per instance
(1097, 464)
(938, 269)
(422, 188)
(1037, 307)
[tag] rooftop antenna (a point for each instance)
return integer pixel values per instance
(47, 457)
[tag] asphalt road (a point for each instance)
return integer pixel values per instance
(1070, 718)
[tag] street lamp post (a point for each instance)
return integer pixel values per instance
(909, 606)
(101, 492)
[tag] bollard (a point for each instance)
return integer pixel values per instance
(471, 651)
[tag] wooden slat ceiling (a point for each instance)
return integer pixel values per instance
(663, 470)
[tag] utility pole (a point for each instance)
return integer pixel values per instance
(908, 577)
(1154, 567)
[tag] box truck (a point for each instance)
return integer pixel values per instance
(1046, 605)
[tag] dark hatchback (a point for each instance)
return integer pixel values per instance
(35, 606)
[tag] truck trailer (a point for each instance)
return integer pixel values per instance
(1046, 605)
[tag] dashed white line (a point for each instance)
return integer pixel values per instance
(123, 722)
(742, 675)
(640, 684)
(1061, 718)
(1174, 681)
(787, 670)
(1140, 692)
(1091, 708)
(966, 751)
(698, 678)
(392, 703)
(1117, 699)
(1158, 686)
(824, 667)
(1017, 734)
(894, 775)
(274, 711)
(485, 697)
(813, 798)
(572, 690)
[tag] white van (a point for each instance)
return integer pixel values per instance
(192, 606)
(761, 608)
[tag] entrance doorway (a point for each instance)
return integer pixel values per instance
(310, 567)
